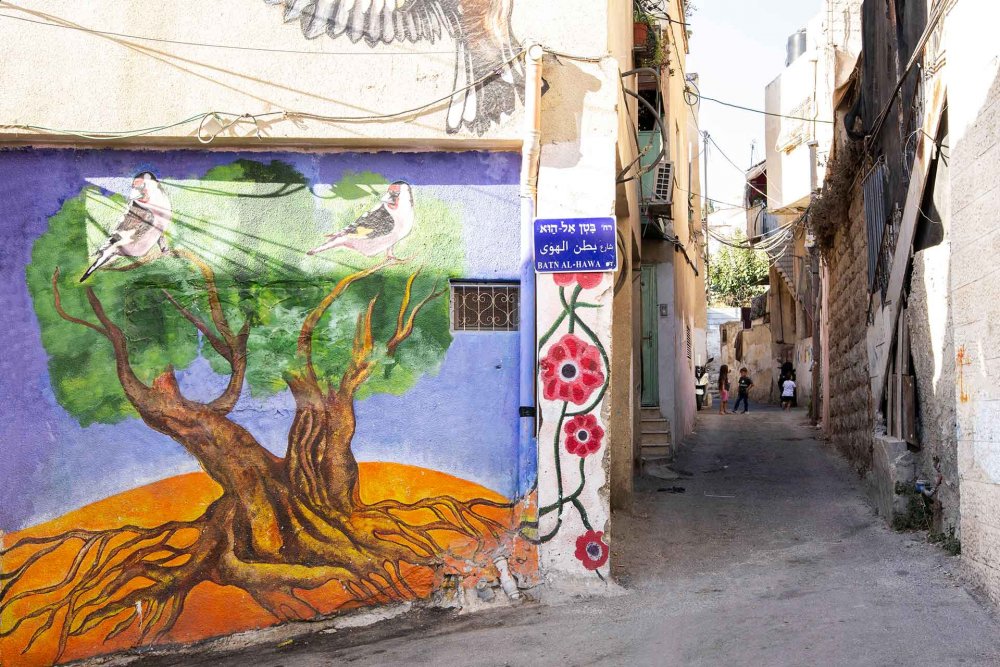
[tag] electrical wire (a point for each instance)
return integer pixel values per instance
(235, 47)
(737, 167)
(699, 96)
(652, 8)
(229, 119)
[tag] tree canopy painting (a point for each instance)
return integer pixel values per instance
(232, 283)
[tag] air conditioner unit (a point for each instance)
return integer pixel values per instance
(662, 198)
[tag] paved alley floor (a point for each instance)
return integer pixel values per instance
(770, 556)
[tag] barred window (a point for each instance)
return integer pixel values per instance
(687, 339)
(482, 306)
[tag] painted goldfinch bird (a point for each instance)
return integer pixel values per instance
(488, 75)
(379, 229)
(141, 227)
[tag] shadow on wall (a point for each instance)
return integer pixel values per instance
(567, 91)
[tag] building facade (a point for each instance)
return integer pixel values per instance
(278, 345)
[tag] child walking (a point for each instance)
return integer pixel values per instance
(724, 390)
(787, 393)
(743, 391)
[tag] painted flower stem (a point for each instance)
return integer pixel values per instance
(607, 364)
(558, 462)
(583, 513)
(555, 325)
(570, 498)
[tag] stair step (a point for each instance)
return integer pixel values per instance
(655, 439)
(651, 413)
(652, 452)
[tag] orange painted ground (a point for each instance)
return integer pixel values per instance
(210, 610)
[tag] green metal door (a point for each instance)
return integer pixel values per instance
(650, 367)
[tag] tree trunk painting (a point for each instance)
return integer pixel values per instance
(280, 527)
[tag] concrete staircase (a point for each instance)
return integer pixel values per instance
(656, 445)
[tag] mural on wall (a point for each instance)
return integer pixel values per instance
(574, 375)
(186, 310)
(489, 74)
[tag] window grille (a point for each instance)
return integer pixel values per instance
(687, 339)
(485, 306)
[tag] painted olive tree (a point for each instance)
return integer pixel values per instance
(236, 287)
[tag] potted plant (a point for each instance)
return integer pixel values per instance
(640, 27)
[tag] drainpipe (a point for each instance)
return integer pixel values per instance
(530, 154)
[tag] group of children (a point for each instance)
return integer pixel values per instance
(787, 383)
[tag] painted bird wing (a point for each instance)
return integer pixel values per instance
(374, 20)
(135, 223)
(488, 75)
(370, 226)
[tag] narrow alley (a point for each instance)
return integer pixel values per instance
(770, 556)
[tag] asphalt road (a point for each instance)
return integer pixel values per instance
(770, 556)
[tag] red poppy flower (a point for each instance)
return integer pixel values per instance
(583, 435)
(591, 549)
(571, 371)
(584, 280)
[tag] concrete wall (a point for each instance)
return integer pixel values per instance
(248, 392)
(973, 103)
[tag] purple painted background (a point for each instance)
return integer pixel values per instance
(462, 421)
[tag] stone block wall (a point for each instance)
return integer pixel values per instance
(850, 424)
(974, 124)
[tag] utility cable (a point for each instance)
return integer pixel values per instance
(737, 167)
(229, 119)
(235, 47)
(699, 96)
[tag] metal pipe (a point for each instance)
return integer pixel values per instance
(530, 157)
(664, 138)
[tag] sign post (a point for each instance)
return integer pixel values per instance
(575, 245)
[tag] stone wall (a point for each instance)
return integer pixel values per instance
(756, 355)
(933, 351)
(973, 124)
(850, 424)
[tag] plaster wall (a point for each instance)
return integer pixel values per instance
(973, 74)
(577, 178)
(716, 318)
(582, 140)
(243, 377)
(120, 83)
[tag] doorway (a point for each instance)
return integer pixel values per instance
(648, 350)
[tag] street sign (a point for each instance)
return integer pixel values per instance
(575, 245)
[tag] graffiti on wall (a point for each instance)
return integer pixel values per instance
(184, 307)
(489, 75)
(574, 375)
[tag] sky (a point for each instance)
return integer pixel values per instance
(737, 48)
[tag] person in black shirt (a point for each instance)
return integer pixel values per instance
(744, 391)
